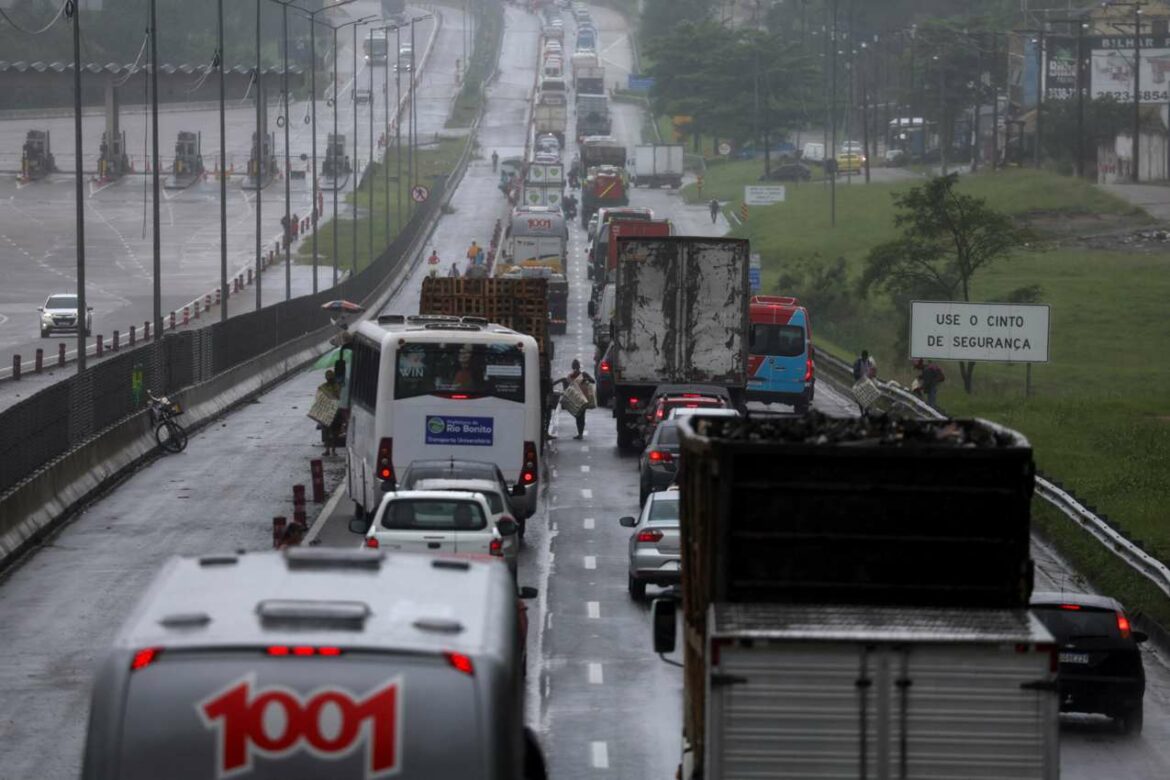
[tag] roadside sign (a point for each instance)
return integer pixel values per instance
(993, 332)
(754, 271)
(724, 148)
(638, 83)
(419, 193)
(763, 195)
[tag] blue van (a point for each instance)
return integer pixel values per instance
(780, 352)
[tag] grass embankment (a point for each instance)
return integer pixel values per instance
(1099, 414)
(489, 34)
(433, 161)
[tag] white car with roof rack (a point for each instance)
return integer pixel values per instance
(316, 663)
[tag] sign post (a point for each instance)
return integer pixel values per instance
(754, 271)
(980, 332)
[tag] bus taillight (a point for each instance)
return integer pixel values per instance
(528, 471)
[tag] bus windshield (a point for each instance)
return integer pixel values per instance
(460, 370)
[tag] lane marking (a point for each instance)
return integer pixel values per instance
(595, 674)
(584, 469)
(590, 561)
(594, 608)
(586, 493)
(600, 755)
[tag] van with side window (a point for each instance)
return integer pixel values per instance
(316, 663)
(781, 357)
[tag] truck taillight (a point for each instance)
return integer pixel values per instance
(386, 460)
(808, 370)
(649, 535)
(1123, 625)
(605, 366)
(144, 658)
(528, 471)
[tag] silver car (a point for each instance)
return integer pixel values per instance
(654, 544)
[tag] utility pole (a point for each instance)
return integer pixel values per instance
(74, 12)
(398, 125)
(994, 101)
(1039, 41)
(1081, 88)
(1137, 87)
(356, 165)
(370, 181)
(831, 165)
(943, 134)
(978, 108)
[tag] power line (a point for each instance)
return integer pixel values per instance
(67, 5)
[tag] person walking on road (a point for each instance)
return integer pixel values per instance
(330, 433)
(714, 207)
(433, 260)
(582, 381)
(472, 251)
(454, 272)
(495, 160)
(930, 376)
(864, 367)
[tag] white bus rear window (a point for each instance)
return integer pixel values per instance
(459, 369)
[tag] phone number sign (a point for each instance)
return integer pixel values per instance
(995, 332)
(1112, 72)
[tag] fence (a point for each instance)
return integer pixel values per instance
(61, 417)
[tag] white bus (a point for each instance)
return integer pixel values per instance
(436, 387)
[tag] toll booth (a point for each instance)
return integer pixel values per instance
(36, 157)
(188, 165)
(336, 168)
(113, 162)
(261, 162)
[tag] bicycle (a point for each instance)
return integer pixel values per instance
(170, 435)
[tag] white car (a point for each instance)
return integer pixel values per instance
(498, 505)
(438, 521)
(60, 313)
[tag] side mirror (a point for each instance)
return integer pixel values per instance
(662, 617)
(1140, 636)
(592, 308)
(518, 491)
(359, 525)
(527, 592)
(507, 526)
(627, 521)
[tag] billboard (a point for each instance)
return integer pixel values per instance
(1060, 68)
(1111, 68)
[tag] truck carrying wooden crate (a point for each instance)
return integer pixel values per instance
(521, 304)
(855, 601)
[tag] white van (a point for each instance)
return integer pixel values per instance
(316, 663)
(813, 151)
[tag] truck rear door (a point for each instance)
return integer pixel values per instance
(814, 709)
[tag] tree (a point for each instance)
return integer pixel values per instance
(947, 237)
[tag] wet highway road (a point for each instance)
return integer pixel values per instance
(604, 704)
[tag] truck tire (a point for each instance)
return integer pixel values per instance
(624, 436)
(674, 185)
(1130, 721)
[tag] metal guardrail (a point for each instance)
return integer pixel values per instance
(840, 373)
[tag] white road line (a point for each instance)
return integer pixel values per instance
(589, 523)
(600, 755)
(584, 469)
(595, 675)
(594, 608)
(590, 561)
(584, 448)
(586, 493)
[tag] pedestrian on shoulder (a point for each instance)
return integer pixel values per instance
(930, 375)
(714, 207)
(454, 272)
(865, 367)
(581, 380)
(330, 433)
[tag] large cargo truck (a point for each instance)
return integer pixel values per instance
(593, 117)
(680, 317)
(588, 78)
(551, 118)
(855, 602)
(657, 165)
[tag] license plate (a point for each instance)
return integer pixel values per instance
(1074, 658)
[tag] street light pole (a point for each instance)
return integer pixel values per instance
(74, 12)
(223, 294)
(398, 124)
(1039, 97)
(286, 237)
(157, 243)
(1137, 87)
(371, 162)
(356, 166)
(336, 97)
(261, 158)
